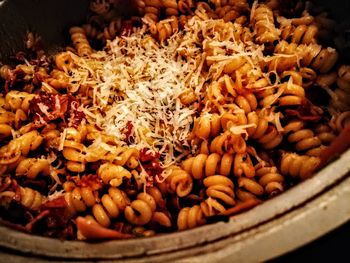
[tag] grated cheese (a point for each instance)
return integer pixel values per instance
(133, 83)
(44, 109)
(62, 139)
(241, 129)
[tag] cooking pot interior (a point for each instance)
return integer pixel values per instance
(51, 19)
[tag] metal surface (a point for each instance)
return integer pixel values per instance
(290, 220)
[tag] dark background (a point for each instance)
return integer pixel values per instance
(333, 247)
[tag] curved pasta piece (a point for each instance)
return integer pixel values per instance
(179, 181)
(301, 166)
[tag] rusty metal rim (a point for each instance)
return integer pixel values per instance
(119, 249)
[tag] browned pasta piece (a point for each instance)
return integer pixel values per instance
(251, 186)
(91, 31)
(340, 120)
(170, 7)
(79, 198)
(5, 71)
(112, 204)
(58, 80)
(15, 100)
(185, 6)
(117, 155)
(27, 197)
(287, 94)
(74, 150)
(161, 219)
(300, 31)
(231, 10)
(140, 231)
(243, 195)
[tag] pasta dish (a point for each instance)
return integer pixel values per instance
(190, 111)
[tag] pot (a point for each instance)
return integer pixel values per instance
(286, 222)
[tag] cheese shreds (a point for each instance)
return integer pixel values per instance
(138, 84)
(44, 109)
(241, 129)
(62, 139)
(56, 194)
(277, 122)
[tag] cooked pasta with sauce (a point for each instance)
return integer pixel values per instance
(161, 121)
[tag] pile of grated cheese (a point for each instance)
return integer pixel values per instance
(135, 83)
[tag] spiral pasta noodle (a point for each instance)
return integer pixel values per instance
(313, 55)
(112, 204)
(263, 20)
(80, 41)
(220, 188)
(204, 165)
(190, 217)
(151, 9)
(112, 174)
(164, 29)
(304, 139)
(144, 206)
(27, 197)
(74, 150)
(79, 198)
(340, 97)
(264, 132)
(269, 178)
(31, 168)
(30, 198)
(111, 31)
(20, 146)
(100, 6)
(298, 165)
(179, 181)
(301, 34)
